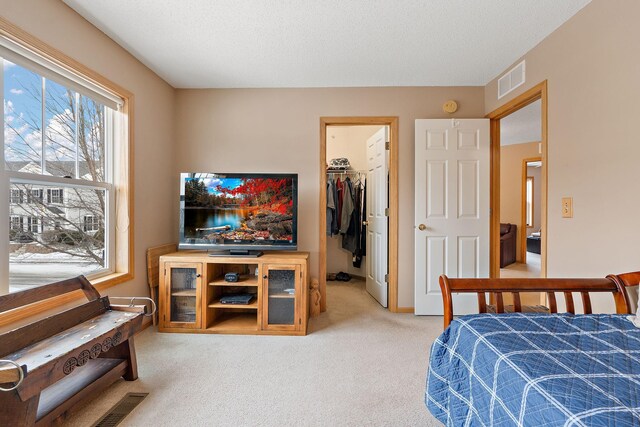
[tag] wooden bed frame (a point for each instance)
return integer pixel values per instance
(613, 283)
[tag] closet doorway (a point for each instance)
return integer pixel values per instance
(358, 205)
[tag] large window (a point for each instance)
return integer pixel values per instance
(60, 144)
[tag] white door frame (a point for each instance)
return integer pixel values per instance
(392, 122)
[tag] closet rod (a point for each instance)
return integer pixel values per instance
(345, 172)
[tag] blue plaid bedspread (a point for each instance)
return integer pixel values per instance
(536, 370)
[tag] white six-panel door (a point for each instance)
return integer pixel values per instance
(377, 234)
(451, 208)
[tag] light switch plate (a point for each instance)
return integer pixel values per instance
(567, 207)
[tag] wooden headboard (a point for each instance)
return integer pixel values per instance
(515, 286)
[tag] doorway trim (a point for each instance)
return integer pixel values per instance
(392, 122)
(537, 92)
(523, 229)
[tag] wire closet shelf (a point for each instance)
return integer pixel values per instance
(346, 172)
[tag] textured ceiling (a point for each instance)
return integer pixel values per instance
(525, 125)
(327, 43)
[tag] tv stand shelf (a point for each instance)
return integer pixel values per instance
(185, 293)
(217, 304)
(192, 283)
(244, 281)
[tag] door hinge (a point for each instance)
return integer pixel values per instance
(387, 145)
(386, 211)
(386, 278)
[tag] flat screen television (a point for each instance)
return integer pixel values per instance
(238, 213)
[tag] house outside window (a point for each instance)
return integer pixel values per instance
(63, 135)
(33, 224)
(91, 223)
(55, 196)
(15, 223)
(35, 196)
(16, 196)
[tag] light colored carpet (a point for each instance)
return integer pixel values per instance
(519, 270)
(360, 365)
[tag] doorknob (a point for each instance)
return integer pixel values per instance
(365, 223)
(422, 227)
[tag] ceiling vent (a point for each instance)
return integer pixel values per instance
(513, 79)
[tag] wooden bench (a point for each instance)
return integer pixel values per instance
(497, 287)
(53, 364)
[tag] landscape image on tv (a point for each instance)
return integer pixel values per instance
(220, 209)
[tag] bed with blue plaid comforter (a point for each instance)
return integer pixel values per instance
(537, 370)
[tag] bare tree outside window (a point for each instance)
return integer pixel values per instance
(54, 131)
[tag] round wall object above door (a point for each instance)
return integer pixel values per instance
(450, 107)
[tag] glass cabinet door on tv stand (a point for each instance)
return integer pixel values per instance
(183, 284)
(281, 297)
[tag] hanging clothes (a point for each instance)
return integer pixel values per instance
(346, 210)
(339, 201)
(331, 207)
(357, 254)
(347, 206)
(334, 223)
(363, 234)
(349, 226)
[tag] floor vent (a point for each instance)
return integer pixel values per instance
(120, 410)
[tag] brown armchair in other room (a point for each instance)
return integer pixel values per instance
(508, 234)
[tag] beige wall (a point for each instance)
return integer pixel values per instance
(277, 130)
(592, 69)
(511, 157)
(349, 142)
(155, 186)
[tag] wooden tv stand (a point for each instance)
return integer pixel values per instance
(192, 290)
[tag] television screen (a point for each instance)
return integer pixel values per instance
(238, 211)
